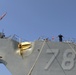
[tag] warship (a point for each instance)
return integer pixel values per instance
(40, 57)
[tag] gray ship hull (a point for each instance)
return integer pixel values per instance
(46, 58)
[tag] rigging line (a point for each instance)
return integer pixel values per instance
(36, 58)
(72, 48)
(57, 60)
(74, 43)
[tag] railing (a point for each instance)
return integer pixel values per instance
(56, 39)
(17, 38)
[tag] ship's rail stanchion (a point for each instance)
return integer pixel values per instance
(65, 39)
(70, 40)
(17, 38)
(56, 39)
(13, 37)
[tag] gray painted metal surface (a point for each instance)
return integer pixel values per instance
(45, 58)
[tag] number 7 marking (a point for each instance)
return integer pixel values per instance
(55, 53)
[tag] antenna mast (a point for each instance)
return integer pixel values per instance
(1, 17)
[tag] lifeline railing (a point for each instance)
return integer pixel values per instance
(17, 38)
(56, 39)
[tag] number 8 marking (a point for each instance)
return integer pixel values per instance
(68, 61)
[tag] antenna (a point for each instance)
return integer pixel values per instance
(1, 17)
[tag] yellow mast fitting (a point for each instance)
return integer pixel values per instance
(23, 46)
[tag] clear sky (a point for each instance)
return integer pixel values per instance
(30, 19)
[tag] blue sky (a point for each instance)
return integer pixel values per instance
(30, 19)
